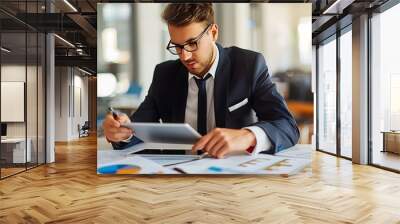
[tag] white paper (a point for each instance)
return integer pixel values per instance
(286, 167)
(134, 165)
(234, 164)
(285, 163)
(298, 151)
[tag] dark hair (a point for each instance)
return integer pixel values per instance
(181, 14)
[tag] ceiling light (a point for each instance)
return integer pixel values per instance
(64, 40)
(70, 5)
(337, 7)
(5, 50)
(84, 71)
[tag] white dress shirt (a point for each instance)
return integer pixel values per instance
(263, 142)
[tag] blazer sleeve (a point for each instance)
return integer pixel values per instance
(147, 112)
(271, 110)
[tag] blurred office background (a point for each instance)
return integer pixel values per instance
(132, 40)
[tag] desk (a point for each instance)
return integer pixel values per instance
(13, 150)
(391, 141)
(293, 160)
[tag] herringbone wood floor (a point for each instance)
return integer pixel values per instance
(69, 191)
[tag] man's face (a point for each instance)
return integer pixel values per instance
(199, 61)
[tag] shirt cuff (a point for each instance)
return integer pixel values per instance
(263, 143)
(128, 139)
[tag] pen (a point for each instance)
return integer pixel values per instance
(113, 112)
(203, 155)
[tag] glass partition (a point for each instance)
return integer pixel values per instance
(22, 67)
(385, 89)
(13, 95)
(327, 96)
(31, 97)
(346, 94)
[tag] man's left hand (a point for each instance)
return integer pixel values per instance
(221, 141)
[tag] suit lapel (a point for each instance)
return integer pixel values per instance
(181, 93)
(221, 87)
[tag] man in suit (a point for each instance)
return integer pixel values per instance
(224, 93)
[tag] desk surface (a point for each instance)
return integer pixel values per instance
(13, 140)
(106, 154)
(390, 132)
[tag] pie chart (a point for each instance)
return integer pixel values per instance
(119, 169)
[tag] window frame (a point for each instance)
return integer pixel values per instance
(333, 37)
(378, 10)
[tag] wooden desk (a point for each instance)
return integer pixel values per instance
(301, 109)
(13, 150)
(391, 141)
(286, 163)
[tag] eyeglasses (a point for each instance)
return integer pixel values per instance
(190, 46)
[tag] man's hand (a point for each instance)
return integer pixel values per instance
(113, 130)
(221, 141)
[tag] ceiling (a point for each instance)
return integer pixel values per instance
(332, 15)
(76, 22)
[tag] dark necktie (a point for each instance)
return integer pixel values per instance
(202, 105)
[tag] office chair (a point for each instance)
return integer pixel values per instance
(84, 130)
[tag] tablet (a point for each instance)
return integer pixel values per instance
(174, 133)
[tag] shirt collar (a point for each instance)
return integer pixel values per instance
(213, 68)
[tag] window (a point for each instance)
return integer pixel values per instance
(327, 97)
(346, 94)
(385, 88)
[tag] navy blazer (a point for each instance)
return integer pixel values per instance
(240, 74)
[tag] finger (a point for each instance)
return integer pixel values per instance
(122, 136)
(115, 131)
(109, 121)
(118, 137)
(201, 142)
(219, 144)
(215, 138)
(118, 134)
(119, 130)
(123, 118)
(221, 152)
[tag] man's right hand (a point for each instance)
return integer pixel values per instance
(113, 130)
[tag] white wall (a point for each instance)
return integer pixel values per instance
(149, 47)
(234, 27)
(61, 103)
(14, 73)
(280, 42)
(71, 94)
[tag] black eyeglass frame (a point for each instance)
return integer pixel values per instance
(172, 48)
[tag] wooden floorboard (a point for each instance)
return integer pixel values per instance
(332, 190)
